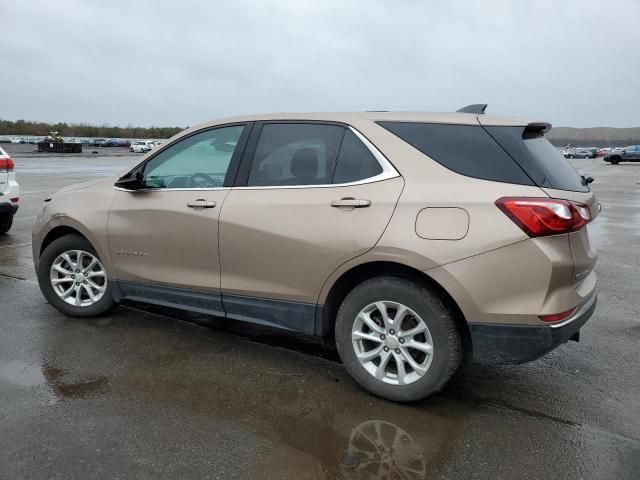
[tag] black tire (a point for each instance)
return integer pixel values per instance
(5, 223)
(57, 247)
(447, 345)
(615, 160)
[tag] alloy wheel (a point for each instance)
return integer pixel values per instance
(78, 278)
(392, 343)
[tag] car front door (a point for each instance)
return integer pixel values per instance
(163, 236)
(309, 197)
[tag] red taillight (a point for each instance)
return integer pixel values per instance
(556, 317)
(539, 217)
(14, 200)
(6, 163)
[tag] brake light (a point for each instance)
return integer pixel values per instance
(14, 199)
(539, 217)
(556, 317)
(6, 163)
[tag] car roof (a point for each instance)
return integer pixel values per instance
(381, 116)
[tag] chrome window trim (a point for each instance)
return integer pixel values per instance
(205, 189)
(388, 171)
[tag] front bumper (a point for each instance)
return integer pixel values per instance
(8, 208)
(509, 344)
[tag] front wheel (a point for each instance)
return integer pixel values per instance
(73, 279)
(397, 339)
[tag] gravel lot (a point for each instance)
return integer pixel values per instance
(139, 394)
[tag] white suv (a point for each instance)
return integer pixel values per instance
(9, 191)
(142, 146)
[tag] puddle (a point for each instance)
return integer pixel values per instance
(25, 374)
(378, 449)
(21, 373)
(84, 389)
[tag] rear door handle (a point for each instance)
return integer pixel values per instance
(349, 202)
(201, 203)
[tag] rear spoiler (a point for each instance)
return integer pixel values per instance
(539, 127)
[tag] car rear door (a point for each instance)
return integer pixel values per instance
(309, 197)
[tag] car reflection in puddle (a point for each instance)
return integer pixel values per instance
(381, 450)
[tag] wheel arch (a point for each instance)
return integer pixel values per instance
(326, 313)
(59, 232)
(61, 226)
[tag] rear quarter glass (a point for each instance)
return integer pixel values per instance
(465, 149)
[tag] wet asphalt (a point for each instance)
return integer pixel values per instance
(147, 393)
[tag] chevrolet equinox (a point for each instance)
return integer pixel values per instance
(409, 241)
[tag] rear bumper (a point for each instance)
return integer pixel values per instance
(8, 208)
(508, 344)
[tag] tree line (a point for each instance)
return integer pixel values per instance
(41, 129)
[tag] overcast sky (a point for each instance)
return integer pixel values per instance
(570, 62)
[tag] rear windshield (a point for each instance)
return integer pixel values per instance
(465, 149)
(542, 162)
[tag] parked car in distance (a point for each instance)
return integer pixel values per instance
(343, 226)
(99, 142)
(141, 146)
(578, 153)
(5, 140)
(9, 192)
(626, 154)
(17, 140)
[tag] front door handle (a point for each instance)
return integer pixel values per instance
(349, 202)
(201, 203)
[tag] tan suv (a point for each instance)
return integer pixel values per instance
(410, 241)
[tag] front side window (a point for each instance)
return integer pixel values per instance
(198, 161)
(295, 154)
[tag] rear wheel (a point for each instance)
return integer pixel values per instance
(73, 279)
(615, 160)
(5, 223)
(397, 339)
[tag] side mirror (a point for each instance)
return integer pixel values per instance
(133, 181)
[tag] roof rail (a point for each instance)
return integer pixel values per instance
(478, 108)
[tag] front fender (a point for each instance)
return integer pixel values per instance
(85, 211)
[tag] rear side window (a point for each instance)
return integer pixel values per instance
(466, 149)
(541, 160)
(355, 161)
(295, 154)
